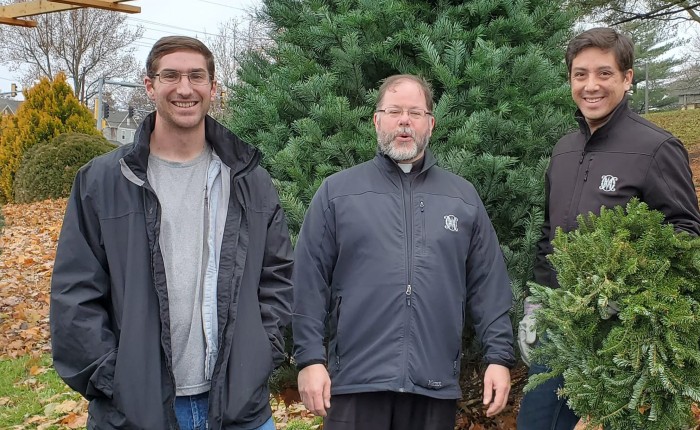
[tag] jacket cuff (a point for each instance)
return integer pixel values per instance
(309, 363)
(510, 364)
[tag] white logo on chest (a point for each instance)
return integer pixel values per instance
(451, 222)
(607, 183)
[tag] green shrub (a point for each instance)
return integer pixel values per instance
(48, 169)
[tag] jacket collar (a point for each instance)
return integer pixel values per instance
(390, 166)
(238, 155)
(619, 111)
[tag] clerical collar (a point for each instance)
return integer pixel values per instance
(416, 166)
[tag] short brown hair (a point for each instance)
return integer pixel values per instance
(169, 44)
(606, 39)
(396, 79)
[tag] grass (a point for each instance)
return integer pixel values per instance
(28, 388)
(684, 124)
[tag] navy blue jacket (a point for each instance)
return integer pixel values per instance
(391, 262)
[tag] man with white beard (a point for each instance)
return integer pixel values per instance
(392, 254)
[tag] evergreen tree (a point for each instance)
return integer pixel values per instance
(49, 109)
(652, 42)
(497, 70)
(639, 366)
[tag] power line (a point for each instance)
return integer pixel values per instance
(224, 5)
(164, 25)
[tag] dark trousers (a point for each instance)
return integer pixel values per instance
(387, 410)
(541, 409)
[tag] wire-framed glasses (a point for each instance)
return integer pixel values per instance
(171, 77)
(395, 112)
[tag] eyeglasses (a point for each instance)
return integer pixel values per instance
(171, 77)
(395, 112)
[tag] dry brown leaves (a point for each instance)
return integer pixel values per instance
(28, 245)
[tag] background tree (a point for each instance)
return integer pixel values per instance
(652, 42)
(49, 109)
(620, 11)
(500, 86)
(83, 43)
(234, 38)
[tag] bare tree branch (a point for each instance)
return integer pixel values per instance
(84, 43)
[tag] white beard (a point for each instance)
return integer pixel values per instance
(385, 140)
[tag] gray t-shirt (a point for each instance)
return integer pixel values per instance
(181, 190)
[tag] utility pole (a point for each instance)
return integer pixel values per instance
(646, 87)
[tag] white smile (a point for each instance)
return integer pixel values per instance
(595, 100)
(184, 104)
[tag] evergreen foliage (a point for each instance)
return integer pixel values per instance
(49, 168)
(497, 70)
(639, 369)
(49, 109)
(500, 87)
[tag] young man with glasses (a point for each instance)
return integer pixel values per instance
(391, 256)
(171, 284)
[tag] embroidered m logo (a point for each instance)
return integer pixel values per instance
(451, 222)
(607, 183)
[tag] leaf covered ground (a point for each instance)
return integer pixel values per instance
(34, 397)
(31, 394)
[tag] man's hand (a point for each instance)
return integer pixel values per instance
(527, 333)
(315, 388)
(496, 388)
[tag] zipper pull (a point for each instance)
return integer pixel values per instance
(408, 295)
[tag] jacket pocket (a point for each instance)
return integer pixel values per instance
(338, 332)
(434, 360)
(458, 358)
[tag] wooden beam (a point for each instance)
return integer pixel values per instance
(38, 7)
(100, 4)
(17, 22)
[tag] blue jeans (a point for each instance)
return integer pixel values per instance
(191, 412)
(541, 409)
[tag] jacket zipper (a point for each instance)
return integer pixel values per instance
(156, 234)
(424, 238)
(578, 189)
(408, 222)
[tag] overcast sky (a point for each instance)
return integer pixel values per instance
(192, 18)
(161, 18)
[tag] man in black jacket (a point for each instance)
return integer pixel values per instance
(392, 254)
(171, 284)
(614, 156)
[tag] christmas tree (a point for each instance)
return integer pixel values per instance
(501, 93)
(623, 327)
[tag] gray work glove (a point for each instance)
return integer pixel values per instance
(527, 333)
(611, 309)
